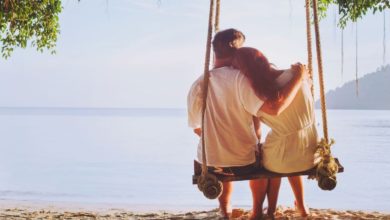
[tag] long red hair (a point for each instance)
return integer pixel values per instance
(255, 66)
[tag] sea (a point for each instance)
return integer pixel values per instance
(143, 158)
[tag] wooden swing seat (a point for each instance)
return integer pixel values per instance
(260, 173)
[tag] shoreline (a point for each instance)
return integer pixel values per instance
(69, 210)
(238, 214)
(99, 206)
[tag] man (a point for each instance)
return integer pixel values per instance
(230, 136)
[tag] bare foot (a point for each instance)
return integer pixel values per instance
(270, 212)
(256, 216)
(261, 217)
(270, 216)
(301, 209)
(225, 210)
(237, 213)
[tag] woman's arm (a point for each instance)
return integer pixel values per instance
(287, 93)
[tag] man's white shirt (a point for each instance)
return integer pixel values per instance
(230, 137)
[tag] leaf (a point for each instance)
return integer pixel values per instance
(28, 22)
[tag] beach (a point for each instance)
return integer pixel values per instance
(51, 212)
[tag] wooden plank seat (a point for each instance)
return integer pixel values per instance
(260, 173)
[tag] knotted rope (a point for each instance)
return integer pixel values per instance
(327, 167)
(208, 183)
(206, 76)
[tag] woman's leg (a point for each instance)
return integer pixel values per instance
(272, 195)
(259, 190)
(297, 187)
(225, 198)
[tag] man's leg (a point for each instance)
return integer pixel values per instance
(297, 187)
(259, 190)
(272, 194)
(225, 198)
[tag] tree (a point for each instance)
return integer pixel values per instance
(28, 21)
(352, 10)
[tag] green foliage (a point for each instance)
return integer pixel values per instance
(352, 10)
(28, 21)
(323, 7)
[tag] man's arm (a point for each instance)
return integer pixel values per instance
(256, 123)
(288, 92)
(194, 105)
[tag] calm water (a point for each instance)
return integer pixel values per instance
(144, 158)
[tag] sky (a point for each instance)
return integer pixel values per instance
(147, 53)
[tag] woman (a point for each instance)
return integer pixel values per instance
(291, 144)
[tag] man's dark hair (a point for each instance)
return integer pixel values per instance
(226, 42)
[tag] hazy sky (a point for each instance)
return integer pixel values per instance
(142, 53)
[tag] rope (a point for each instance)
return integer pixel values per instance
(206, 84)
(217, 14)
(327, 167)
(216, 21)
(356, 62)
(384, 37)
(309, 45)
(342, 53)
(320, 72)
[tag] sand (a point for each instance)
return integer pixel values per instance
(239, 214)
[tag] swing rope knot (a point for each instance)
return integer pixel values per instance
(210, 186)
(327, 167)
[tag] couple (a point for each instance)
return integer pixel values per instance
(245, 90)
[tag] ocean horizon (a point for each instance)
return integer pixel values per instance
(92, 111)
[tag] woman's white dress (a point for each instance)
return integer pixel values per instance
(291, 144)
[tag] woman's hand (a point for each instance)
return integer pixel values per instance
(299, 68)
(198, 131)
(288, 92)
